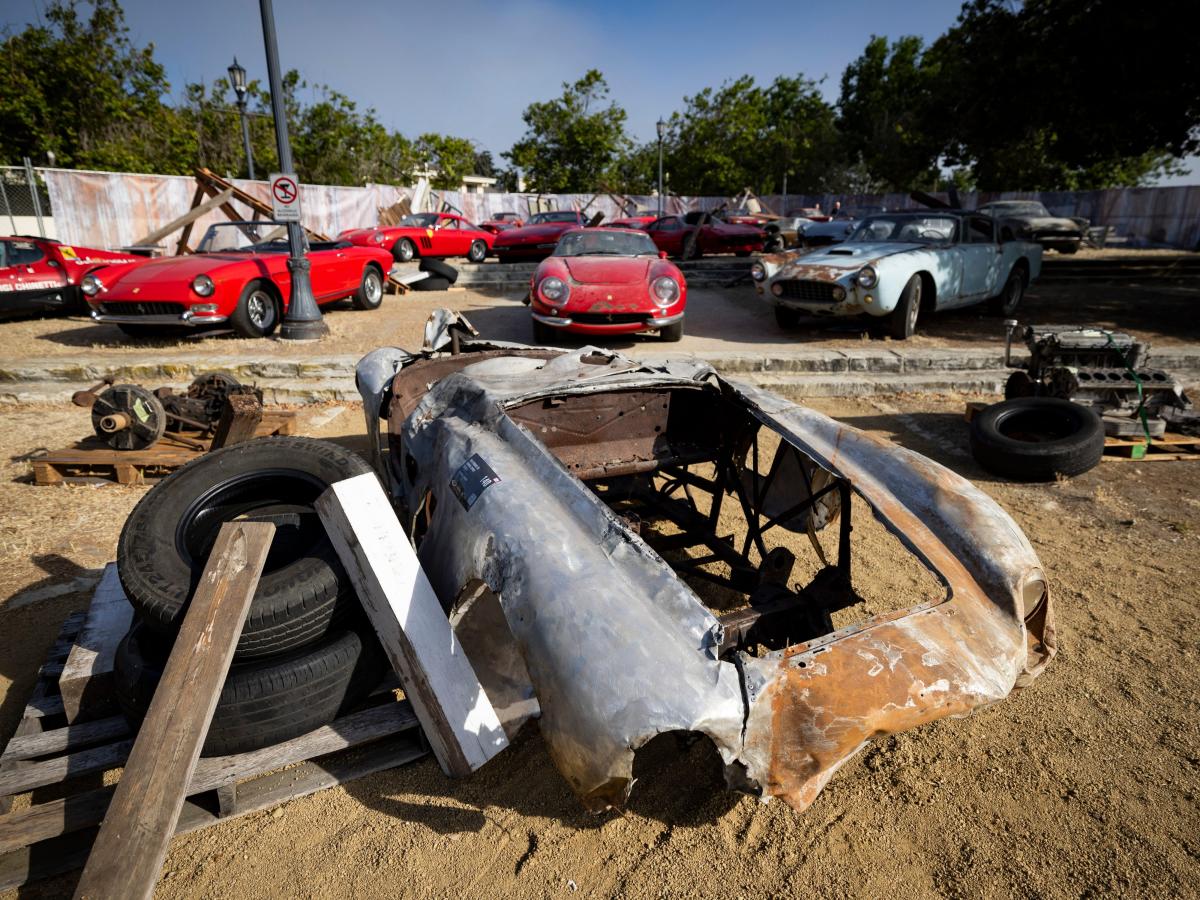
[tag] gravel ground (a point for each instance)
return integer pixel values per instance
(1084, 784)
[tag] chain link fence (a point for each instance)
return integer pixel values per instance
(24, 200)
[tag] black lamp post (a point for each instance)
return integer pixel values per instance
(303, 321)
(237, 77)
(662, 130)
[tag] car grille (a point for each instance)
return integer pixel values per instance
(608, 318)
(813, 291)
(142, 308)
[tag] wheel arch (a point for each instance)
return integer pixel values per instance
(928, 291)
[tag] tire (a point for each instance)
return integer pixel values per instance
(257, 313)
(672, 333)
(1037, 438)
(266, 701)
(432, 283)
(439, 268)
(404, 250)
(147, 332)
(543, 334)
(786, 317)
(478, 251)
(166, 540)
(902, 323)
(1006, 302)
(370, 290)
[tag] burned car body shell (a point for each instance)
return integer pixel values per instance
(1029, 220)
(616, 647)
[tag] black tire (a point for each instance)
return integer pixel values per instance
(543, 334)
(151, 332)
(786, 317)
(439, 268)
(902, 323)
(257, 312)
(1006, 302)
(166, 540)
(370, 290)
(478, 251)
(266, 701)
(1037, 438)
(404, 250)
(672, 333)
(432, 283)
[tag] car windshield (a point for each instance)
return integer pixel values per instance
(420, 220)
(245, 237)
(1015, 208)
(908, 229)
(605, 243)
(548, 217)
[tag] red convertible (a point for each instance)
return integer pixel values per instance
(673, 234)
(425, 234)
(237, 276)
(605, 281)
(538, 237)
(43, 275)
(502, 221)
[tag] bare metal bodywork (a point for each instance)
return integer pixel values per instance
(606, 641)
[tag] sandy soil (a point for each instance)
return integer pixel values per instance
(1084, 784)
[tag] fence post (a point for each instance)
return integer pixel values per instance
(31, 179)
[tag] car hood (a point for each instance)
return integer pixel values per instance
(1040, 223)
(607, 269)
(854, 256)
(532, 234)
(181, 267)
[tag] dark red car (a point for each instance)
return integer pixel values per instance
(607, 281)
(537, 238)
(43, 275)
(502, 221)
(671, 234)
(238, 276)
(639, 221)
(425, 234)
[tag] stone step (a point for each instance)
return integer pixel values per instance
(860, 384)
(316, 390)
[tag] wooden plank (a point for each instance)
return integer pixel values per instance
(190, 216)
(240, 417)
(61, 740)
(55, 817)
(87, 677)
(182, 245)
(129, 850)
(459, 721)
(44, 473)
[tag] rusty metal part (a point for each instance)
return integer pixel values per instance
(128, 417)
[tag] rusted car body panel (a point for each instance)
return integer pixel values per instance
(586, 446)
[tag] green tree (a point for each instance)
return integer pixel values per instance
(572, 142)
(450, 157)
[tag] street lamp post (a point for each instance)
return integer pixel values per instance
(303, 321)
(662, 130)
(237, 77)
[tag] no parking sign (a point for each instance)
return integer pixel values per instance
(285, 198)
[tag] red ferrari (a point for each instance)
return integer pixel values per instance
(537, 238)
(502, 221)
(640, 221)
(425, 234)
(42, 275)
(605, 281)
(237, 276)
(671, 233)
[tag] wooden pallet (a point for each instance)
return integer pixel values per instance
(92, 460)
(1169, 447)
(58, 768)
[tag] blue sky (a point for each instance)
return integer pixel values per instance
(469, 68)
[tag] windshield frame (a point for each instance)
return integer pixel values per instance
(262, 227)
(611, 236)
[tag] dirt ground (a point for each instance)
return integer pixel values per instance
(1084, 784)
(731, 320)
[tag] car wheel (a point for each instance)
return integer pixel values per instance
(478, 251)
(786, 317)
(672, 333)
(902, 323)
(263, 702)
(257, 313)
(1037, 438)
(1007, 301)
(544, 334)
(370, 291)
(775, 244)
(167, 538)
(404, 250)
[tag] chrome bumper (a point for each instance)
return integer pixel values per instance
(187, 318)
(563, 321)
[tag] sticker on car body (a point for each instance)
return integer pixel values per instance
(471, 479)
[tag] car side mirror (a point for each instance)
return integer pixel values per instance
(662, 254)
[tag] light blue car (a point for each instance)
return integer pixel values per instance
(899, 266)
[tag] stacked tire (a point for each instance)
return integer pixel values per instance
(306, 651)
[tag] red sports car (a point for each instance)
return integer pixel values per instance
(671, 233)
(638, 220)
(425, 234)
(502, 221)
(606, 281)
(238, 275)
(42, 275)
(537, 238)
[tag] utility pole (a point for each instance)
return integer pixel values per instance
(662, 130)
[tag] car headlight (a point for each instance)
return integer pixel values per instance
(665, 290)
(203, 285)
(867, 277)
(554, 290)
(758, 271)
(377, 237)
(91, 285)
